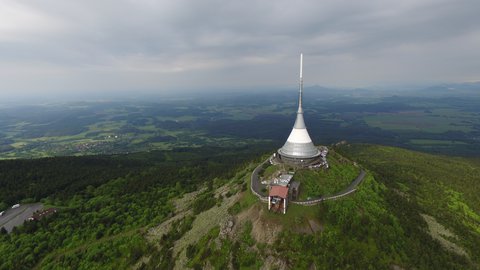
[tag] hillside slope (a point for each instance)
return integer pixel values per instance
(104, 211)
(189, 209)
(440, 189)
(392, 221)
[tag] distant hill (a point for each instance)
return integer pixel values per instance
(192, 208)
(458, 90)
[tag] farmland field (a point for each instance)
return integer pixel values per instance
(435, 121)
(442, 125)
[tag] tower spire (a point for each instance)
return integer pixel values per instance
(300, 109)
(299, 148)
(299, 122)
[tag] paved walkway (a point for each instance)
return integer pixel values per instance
(256, 188)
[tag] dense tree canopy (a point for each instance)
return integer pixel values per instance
(104, 203)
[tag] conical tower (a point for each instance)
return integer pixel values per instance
(299, 148)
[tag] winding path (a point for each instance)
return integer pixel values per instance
(255, 184)
(256, 188)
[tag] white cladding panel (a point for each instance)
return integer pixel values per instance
(299, 135)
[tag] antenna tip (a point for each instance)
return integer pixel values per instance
(301, 65)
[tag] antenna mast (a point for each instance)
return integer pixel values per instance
(300, 109)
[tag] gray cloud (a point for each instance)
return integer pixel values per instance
(60, 46)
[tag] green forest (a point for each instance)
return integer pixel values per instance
(109, 206)
(105, 203)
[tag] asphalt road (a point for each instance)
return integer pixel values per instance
(15, 217)
(256, 186)
(352, 185)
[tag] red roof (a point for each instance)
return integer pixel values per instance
(278, 191)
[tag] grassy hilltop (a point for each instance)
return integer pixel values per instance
(193, 208)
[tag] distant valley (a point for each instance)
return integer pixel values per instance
(439, 123)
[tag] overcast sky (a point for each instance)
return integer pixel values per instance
(50, 47)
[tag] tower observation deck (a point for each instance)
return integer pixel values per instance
(299, 149)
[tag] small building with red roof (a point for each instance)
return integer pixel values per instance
(278, 198)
